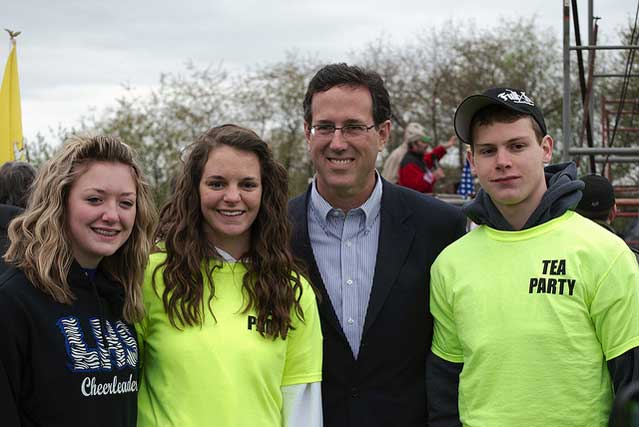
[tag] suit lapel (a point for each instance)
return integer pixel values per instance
(301, 245)
(395, 240)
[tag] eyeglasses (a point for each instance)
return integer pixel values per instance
(348, 131)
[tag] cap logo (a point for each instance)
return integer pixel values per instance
(517, 98)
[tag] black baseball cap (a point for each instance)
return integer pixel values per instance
(597, 196)
(512, 99)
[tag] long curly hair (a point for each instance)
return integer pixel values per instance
(40, 239)
(272, 285)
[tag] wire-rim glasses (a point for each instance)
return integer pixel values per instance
(325, 131)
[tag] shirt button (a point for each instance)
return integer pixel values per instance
(354, 392)
(349, 282)
(350, 321)
(348, 243)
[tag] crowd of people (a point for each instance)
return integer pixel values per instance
(358, 303)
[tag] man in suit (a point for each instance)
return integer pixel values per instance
(368, 245)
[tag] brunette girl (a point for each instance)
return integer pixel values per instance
(231, 335)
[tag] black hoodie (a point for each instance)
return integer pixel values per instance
(563, 193)
(57, 367)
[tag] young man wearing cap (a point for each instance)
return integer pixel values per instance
(419, 168)
(598, 203)
(537, 310)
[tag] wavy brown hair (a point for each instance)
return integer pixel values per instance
(40, 239)
(272, 283)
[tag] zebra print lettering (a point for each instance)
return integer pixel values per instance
(121, 351)
(83, 359)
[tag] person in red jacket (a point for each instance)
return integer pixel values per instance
(419, 169)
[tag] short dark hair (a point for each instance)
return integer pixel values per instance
(597, 198)
(15, 183)
(347, 75)
(499, 114)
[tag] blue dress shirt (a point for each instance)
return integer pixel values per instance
(345, 248)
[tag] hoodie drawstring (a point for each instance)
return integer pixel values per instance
(101, 320)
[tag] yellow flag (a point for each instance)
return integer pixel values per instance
(10, 113)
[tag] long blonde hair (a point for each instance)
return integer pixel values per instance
(40, 241)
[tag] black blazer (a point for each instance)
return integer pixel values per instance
(385, 386)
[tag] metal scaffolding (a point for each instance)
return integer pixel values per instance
(599, 153)
(586, 89)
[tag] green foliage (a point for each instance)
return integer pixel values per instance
(159, 125)
(427, 78)
(38, 151)
(269, 100)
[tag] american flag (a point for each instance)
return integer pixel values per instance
(467, 183)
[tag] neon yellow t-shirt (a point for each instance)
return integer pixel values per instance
(224, 373)
(534, 315)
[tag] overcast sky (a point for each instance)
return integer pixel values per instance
(75, 55)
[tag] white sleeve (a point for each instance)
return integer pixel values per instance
(302, 405)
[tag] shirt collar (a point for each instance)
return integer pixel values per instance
(370, 207)
(225, 255)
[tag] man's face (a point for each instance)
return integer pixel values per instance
(509, 162)
(345, 164)
(420, 147)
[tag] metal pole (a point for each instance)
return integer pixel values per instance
(591, 62)
(580, 59)
(627, 202)
(588, 103)
(617, 159)
(565, 122)
(604, 117)
(590, 23)
(628, 151)
(614, 75)
(603, 47)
